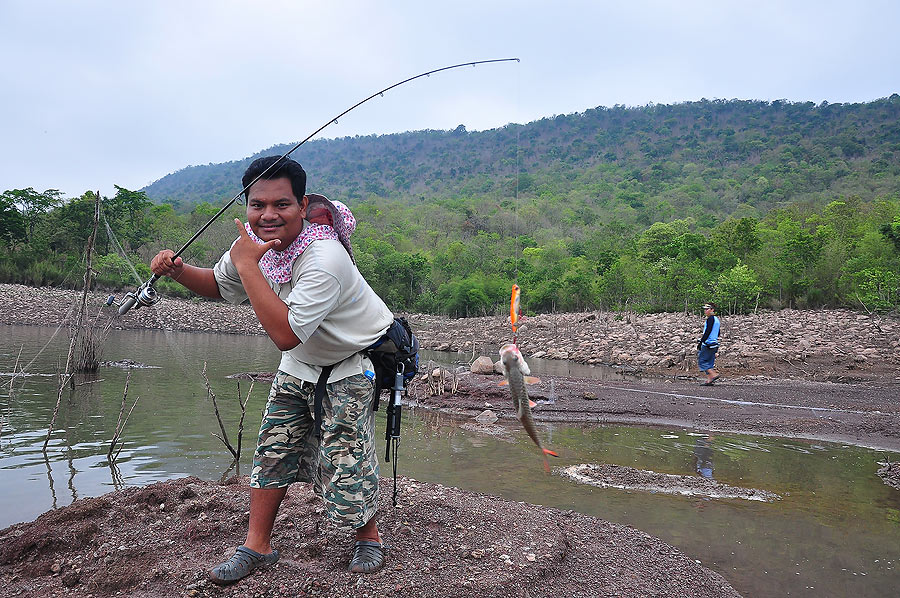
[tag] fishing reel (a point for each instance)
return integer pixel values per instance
(145, 295)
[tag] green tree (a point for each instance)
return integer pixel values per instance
(12, 224)
(738, 288)
(738, 236)
(891, 232)
(128, 214)
(878, 288)
(33, 205)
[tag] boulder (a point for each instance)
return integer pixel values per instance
(482, 365)
(486, 417)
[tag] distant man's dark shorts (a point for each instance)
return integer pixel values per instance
(706, 358)
(344, 468)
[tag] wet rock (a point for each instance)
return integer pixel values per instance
(644, 358)
(486, 417)
(890, 473)
(482, 365)
(666, 362)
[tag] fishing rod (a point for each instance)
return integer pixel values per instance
(146, 295)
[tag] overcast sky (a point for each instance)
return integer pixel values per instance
(112, 92)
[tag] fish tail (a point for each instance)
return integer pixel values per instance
(544, 454)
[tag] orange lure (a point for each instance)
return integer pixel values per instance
(514, 309)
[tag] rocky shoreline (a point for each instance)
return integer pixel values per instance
(835, 345)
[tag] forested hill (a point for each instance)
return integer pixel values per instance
(707, 159)
(656, 208)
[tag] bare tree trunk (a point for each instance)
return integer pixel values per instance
(89, 357)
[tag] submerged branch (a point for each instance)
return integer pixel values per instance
(243, 413)
(212, 395)
(120, 424)
(65, 378)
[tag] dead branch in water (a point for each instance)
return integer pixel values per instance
(16, 370)
(224, 437)
(243, 405)
(454, 381)
(65, 379)
(88, 360)
(89, 334)
(120, 424)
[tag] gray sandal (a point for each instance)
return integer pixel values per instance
(240, 565)
(368, 557)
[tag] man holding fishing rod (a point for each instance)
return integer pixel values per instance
(308, 295)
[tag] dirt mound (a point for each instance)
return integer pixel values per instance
(161, 539)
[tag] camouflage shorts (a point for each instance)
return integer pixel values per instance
(344, 467)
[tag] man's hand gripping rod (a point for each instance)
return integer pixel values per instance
(146, 294)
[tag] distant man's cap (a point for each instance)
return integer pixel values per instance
(708, 306)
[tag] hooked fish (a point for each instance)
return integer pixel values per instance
(517, 375)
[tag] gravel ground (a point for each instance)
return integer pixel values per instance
(158, 541)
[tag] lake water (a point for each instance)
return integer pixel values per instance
(835, 532)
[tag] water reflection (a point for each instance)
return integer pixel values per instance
(837, 517)
(703, 456)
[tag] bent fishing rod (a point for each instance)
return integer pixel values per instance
(146, 295)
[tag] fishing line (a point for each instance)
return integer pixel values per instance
(146, 293)
(518, 169)
(115, 240)
(515, 309)
(173, 347)
(66, 319)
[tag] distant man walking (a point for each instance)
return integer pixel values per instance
(708, 345)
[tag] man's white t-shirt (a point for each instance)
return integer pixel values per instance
(331, 308)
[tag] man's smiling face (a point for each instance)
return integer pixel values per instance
(273, 211)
